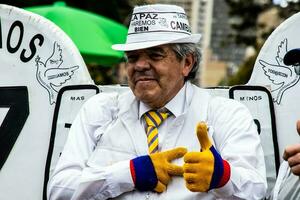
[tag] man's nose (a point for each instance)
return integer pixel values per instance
(142, 63)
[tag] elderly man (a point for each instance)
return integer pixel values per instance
(153, 141)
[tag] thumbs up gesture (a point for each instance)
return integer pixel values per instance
(205, 170)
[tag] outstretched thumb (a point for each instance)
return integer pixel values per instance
(175, 153)
(203, 136)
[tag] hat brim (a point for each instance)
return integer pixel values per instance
(194, 38)
(292, 57)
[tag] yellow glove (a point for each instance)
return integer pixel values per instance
(164, 168)
(154, 171)
(205, 170)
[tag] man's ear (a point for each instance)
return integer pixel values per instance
(189, 61)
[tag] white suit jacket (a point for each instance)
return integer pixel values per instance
(107, 134)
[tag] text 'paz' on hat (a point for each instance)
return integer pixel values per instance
(157, 24)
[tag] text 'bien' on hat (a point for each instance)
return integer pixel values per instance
(158, 24)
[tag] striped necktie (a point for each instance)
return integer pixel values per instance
(153, 120)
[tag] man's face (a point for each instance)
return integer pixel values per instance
(156, 75)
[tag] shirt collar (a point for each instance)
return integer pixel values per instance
(176, 106)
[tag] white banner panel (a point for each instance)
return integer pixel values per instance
(69, 101)
(259, 101)
(37, 59)
(282, 80)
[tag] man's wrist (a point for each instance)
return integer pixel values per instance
(143, 173)
(226, 174)
(221, 173)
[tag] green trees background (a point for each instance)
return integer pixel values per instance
(244, 21)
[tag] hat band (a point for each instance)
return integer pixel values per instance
(151, 22)
(155, 36)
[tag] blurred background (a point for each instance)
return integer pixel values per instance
(233, 31)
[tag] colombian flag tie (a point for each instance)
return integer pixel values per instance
(153, 120)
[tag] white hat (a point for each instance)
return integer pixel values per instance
(157, 24)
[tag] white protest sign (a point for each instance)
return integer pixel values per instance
(282, 80)
(259, 102)
(37, 59)
(69, 101)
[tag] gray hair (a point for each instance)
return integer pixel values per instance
(183, 49)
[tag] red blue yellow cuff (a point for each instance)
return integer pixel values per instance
(221, 172)
(226, 174)
(143, 173)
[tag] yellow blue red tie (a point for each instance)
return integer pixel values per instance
(153, 120)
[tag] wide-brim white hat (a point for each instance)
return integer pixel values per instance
(158, 24)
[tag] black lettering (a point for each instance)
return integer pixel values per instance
(62, 74)
(134, 17)
(32, 48)
(16, 98)
(154, 16)
(142, 15)
(141, 29)
(172, 24)
(148, 16)
(80, 98)
(182, 16)
(257, 98)
(242, 98)
(13, 26)
(143, 23)
(179, 25)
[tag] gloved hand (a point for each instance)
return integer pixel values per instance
(154, 171)
(205, 170)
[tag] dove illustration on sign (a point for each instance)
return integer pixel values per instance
(51, 75)
(281, 76)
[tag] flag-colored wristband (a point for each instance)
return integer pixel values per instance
(143, 173)
(221, 172)
(226, 174)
